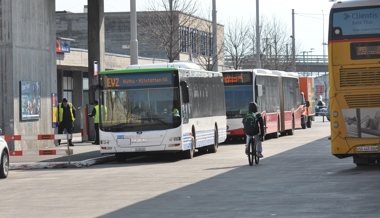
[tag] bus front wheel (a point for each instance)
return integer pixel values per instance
(189, 154)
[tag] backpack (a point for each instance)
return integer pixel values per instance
(251, 126)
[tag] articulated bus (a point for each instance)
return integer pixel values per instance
(276, 94)
(140, 104)
(354, 73)
(290, 102)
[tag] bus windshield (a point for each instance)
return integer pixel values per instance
(140, 109)
(139, 102)
(237, 100)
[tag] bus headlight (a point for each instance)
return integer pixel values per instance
(336, 124)
(335, 114)
(175, 139)
(105, 142)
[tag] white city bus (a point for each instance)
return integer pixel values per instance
(138, 119)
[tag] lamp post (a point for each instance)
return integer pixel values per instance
(323, 31)
(258, 62)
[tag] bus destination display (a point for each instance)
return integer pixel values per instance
(234, 78)
(367, 50)
(137, 80)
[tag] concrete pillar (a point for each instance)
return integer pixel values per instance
(27, 53)
(77, 97)
(96, 39)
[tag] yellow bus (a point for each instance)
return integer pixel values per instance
(354, 73)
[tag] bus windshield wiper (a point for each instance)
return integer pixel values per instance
(122, 125)
(159, 119)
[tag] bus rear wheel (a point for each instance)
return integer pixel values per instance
(308, 124)
(291, 131)
(214, 148)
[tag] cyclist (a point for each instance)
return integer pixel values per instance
(260, 136)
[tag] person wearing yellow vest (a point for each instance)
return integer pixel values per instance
(95, 115)
(66, 117)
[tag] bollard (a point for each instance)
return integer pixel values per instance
(68, 137)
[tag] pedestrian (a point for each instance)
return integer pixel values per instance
(66, 117)
(95, 115)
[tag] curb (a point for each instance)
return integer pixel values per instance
(56, 165)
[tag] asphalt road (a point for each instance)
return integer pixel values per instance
(298, 177)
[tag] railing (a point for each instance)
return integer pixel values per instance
(299, 59)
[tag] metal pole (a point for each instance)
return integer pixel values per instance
(258, 52)
(214, 38)
(323, 43)
(133, 42)
(293, 43)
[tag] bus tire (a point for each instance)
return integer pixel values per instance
(214, 148)
(308, 124)
(291, 131)
(277, 134)
(189, 154)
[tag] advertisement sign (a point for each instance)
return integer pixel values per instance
(62, 46)
(30, 100)
(54, 104)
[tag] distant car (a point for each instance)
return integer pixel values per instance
(4, 159)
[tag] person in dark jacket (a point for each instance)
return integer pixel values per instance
(95, 115)
(252, 108)
(66, 117)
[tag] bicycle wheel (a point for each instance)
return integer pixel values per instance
(251, 153)
(257, 159)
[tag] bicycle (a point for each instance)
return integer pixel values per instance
(252, 151)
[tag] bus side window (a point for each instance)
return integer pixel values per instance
(185, 92)
(259, 90)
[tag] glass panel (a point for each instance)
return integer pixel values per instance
(141, 109)
(237, 100)
(357, 22)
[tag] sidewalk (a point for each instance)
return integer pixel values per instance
(83, 154)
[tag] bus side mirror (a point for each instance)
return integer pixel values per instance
(185, 92)
(307, 103)
(259, 90)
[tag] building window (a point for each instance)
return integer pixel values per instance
(210, 47)
(203, 43)
(193, 40)
(67, 85)
(184, 33)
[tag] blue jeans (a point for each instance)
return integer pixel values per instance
(258, 142)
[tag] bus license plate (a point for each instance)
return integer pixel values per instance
(367, 148)
(139, 149)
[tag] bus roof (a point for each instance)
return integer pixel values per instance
(355, 3)
(182, 65)
(285, 74)
(260, 71)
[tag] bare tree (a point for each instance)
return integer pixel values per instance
(276, 45)
(165, 24)
(237, 44)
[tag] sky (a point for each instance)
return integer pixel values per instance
(311, 16)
